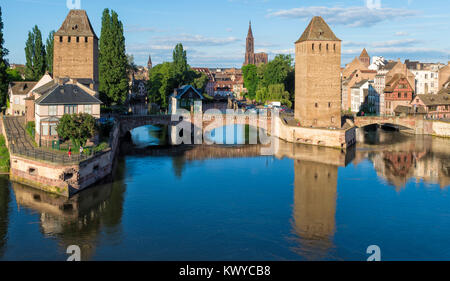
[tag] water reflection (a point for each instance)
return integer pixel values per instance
(399, 158)
(78, 220)
(210, 202)
(4, 212)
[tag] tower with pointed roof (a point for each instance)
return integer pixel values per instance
(250, 47)
(76, 49)
(317, 77)
(365, 58)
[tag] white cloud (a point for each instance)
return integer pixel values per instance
(196, 40)
(401, 33)
(348, 16)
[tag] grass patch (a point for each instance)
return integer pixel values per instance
(4, 156)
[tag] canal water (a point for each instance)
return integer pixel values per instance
(232, 203)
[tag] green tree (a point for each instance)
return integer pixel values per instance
(13, 75)
(49, 51)
(113, 63)
(200, 81)
(76, 127)
(180, 65)
(3, 66)
(251, 81)
(35, 55)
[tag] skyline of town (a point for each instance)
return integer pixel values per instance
(221, 42)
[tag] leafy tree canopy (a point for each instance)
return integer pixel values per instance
(76, 127)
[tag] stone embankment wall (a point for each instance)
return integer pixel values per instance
(441, 129)
(338, 138)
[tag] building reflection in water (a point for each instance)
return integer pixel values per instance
(80, 219)
(315, 195)
(4, 212)
(398, 158)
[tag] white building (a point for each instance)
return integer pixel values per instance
(377, 63)
(359, 92)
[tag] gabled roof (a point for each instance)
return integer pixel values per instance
(180, 92)
(360, 83)
(364, 54)
(392, 84)
(439, 99)
(21, 88)
(76, 24)
(66, 94)
(318, 30)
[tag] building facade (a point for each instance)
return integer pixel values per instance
(398, 92)
(317, 76)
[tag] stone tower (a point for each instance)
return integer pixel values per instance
(317, 76)
(250, 47)
(365, 58)
(76, 49)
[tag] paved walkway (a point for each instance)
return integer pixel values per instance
(20, 143)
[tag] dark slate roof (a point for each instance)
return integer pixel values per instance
(45, 88)
(409, 110)
(185, 89)
(21, 88)
(318, 30)
(360, 83)
(76, 24)
(390, 65)
(431, 100)
(67, 94)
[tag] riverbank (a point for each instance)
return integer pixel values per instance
(4, 156)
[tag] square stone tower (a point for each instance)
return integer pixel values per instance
(75, 52)
(317, 77)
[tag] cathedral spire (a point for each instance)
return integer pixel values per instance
(250, 32)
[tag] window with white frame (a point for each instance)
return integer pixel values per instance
(52, 110)
(88, 108)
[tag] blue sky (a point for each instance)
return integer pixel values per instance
(214, 31)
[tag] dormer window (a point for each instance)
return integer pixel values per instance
(75, 27)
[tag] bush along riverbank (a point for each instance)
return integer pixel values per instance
(4, 156)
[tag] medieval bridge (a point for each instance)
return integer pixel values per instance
(417, 124)
(207, 122)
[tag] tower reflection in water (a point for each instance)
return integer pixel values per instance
(315, 195)
(78, 220)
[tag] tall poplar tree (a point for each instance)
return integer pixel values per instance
(35, 55)
(3, 66)
(113, 62)
(49, 51)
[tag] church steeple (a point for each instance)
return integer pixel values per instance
(250, 32)
(149, 63)
(250, 47)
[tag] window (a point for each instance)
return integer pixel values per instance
(52, 110)
(53, 131)
(68, 39)
(329, 105)
(60, 39)
(16, 100)
(88, 108)
(316, 105)
(45, 129)
(313, 46)
(327, 47)
(70, 109)
(332, 120)
(78, 39)
(320, 47)
(85, 39)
